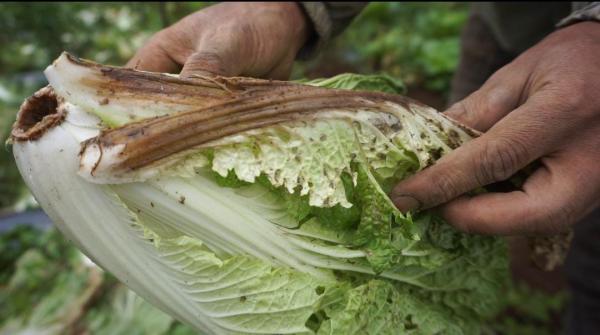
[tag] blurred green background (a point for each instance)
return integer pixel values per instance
(45, 284)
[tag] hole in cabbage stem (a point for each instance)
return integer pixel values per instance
(37, 114)
(37, 108)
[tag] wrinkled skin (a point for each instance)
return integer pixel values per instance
(229, 39)
(543, 106)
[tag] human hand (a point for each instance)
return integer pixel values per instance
(544, 105)
(230, 39)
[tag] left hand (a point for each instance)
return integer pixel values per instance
(544, 105)
(253, 39)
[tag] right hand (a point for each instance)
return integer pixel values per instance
(544, 106)
(229, 39)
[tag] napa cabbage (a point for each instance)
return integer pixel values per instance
(242, 206)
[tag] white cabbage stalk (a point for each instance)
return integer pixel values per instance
(125, 163)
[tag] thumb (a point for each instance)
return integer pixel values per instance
(153, 56)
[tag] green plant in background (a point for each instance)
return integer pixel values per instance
(34, 34)
(416, 42)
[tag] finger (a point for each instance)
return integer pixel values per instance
(494, 100)
(153, 57)
(553, 198)
(527, 133)
(209, 63)
(218, 53)
(283, 70)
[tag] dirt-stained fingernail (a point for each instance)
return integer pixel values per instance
(198, 74)
(406, 202)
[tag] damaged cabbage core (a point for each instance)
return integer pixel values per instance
(37, 114)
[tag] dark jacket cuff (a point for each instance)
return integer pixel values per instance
(328, 20)
(590, 12)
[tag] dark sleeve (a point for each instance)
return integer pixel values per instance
(582, 11)
(328, 20)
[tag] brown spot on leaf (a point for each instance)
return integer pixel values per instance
(453, 139)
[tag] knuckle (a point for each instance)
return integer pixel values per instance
(505, 72)
(173, 36)
(244, 35)
(445, 186)
(498, 160)
(457, 110)
(499, 100)
(584, 104)
(575, 97)
(160, 40)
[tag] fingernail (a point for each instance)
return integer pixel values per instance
(198, 74)
(406, 202)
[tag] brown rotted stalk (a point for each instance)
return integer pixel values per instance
(151, 140)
